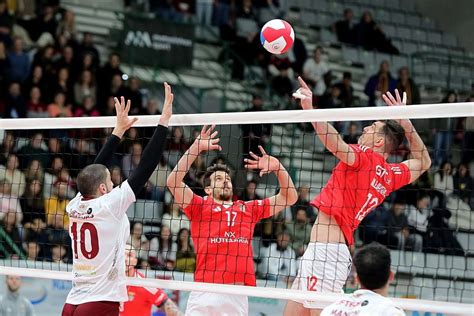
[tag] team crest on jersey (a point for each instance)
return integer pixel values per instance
(364, 303)
(89, 210)
(242, 208)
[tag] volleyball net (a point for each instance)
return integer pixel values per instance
(428, 225)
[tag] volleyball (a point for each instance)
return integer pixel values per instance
(277, 36)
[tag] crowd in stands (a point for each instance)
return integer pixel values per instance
(48, 69)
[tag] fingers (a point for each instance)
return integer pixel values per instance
(213, 135)
(262, 150)
(254, 156)
(203, 130)
(127, 107)
(397, 94)
(386, 99)
(302, 83)
(404, 99)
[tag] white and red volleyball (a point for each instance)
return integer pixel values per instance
(277, 36)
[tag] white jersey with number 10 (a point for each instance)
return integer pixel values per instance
(99, 229)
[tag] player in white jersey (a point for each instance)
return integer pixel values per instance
(372, 264)
(99, 226)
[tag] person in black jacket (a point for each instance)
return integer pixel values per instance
(345, 29)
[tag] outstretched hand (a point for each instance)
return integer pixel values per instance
(265, 163)
(207, 139)
(123, 121)
(391, 101)
(167, 105)
(304, 94)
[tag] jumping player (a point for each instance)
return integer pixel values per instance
(221, 229)
(141, 299)
(358, 184)
(99, 227)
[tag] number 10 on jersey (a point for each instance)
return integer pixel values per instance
(92, 236)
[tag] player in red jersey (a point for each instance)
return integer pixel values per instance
(358, 184)
(221, 229)
(141, 299)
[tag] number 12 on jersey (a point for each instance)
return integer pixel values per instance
(92, 236)
(368, 206)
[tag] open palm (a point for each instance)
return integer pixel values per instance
(265, 163)
(207, 139)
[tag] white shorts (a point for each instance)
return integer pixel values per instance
(212, 304)
(323, 268)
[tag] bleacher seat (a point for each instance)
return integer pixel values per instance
(147, 211)
(412, 20)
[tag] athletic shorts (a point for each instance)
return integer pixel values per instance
(102, 308)
(212, 304)
(323, 268)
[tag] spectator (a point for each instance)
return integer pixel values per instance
(19, 62)
(463, 183)
(314, 70)
(345, 29)
(67, 25)
(54, 235)
(130, 161)
(444, 182)
(406, 84)
(106, 73)
(33, 250)
(184, 10)
(116, 175)
(37, 79)
(175, 220)
(9, 224)
(204, 12)
(330, 99)
(347, 91)
(374, 226)
(443, 132)
(270, 9)
(303, 202)
(254, 135)
(151, 108)
(59, 254)
(298, 56)
(371, 37)
(33, 151)
(185, 255)
(34, 171)
(109, 109)
(282, 83)
(13, 300)
(157, 180)
(300, 231)
(35, 106)
(59, 108)
(163, 9)
(5, 69)
(9, 203)
(162, 255)
(89, 52)
(278, 260)
(44, 59)
(82, 155)
(132, 93)
(177, 142)
(63, 84)
(32, 202)
(55, 206)
(12, 174)
(52, 174)
(87, 108)
(352, 137)
(221, 12)
(85, 87)
(418, 215)
(440, 237)
(15, 103)
(44, 23)
(6, 23)
(138, 240)
(7, 147)
(378, 84)
(399, 236)
(250, 192)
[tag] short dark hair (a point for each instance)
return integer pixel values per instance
(346, 75)
(394, 134)
(372, 264)
(89, 179)
(210, 170)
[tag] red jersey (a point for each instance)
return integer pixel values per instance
(141, 299)
(353, 192)
(222, 237)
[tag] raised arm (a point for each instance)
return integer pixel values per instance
(266, 163)
(206, 141)
(328, 135)
(420, 158)
(122, 124)
(154, 149)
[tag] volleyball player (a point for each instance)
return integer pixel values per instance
(99, 227)
(142, 299)
(372, 265)
(222, 229)
(358, 184)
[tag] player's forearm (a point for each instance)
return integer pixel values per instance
(108, 150)
(328, 135)
(417, 147)
(182, 167)
(150, 158)
(287, 187)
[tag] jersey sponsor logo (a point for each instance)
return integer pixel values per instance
(378, 187)
(396, 170)
(383, 173)
(76, 214)
(229, 237)
(89, 210)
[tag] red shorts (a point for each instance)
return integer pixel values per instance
(102, 308)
